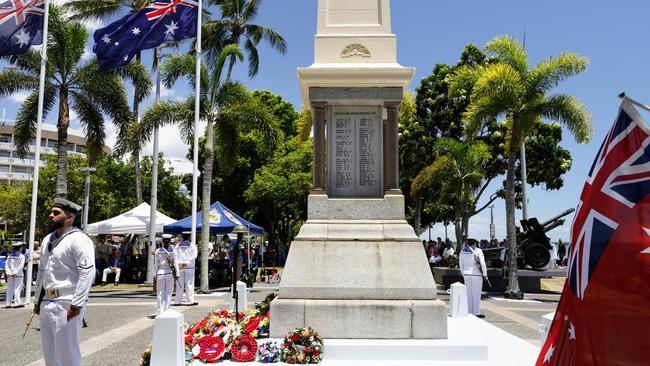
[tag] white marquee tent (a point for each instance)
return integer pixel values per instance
(135, 221)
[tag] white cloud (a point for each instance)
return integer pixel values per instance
(88, 54)
(165, 93)
(19, 97)
(174, 149)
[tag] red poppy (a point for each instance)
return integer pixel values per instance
(316, 352)
(307, 350)
(295, 338)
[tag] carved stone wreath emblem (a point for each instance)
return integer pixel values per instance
(355, 50)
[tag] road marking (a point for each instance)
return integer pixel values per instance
(510, 315)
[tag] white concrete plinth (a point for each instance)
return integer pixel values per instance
(242, 301)
(545, 325)
(471, 342)
(167, 346)
(458, 300)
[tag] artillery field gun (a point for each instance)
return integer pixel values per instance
(532, 243)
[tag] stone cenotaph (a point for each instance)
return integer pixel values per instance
(357, 268)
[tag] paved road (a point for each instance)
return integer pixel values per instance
(120, 330)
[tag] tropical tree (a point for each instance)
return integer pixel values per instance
(228, 109)
(72, 81)
(234, 28)
(459, 167)
(509, 88)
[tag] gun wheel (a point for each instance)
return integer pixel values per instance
(536, 255)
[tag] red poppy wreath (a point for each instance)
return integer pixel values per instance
(244, 348)
(210, 348)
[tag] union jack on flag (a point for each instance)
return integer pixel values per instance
(161, 21)
(603, 317)
(21, 25)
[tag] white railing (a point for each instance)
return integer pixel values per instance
(15, 176)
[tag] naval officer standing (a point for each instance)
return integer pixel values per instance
(166, 272)
(65, 274)
(472, 267)
(185, 254)
(14, 273)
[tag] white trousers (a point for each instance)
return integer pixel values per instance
(108, 270)
(164, 289)
(14, 288)
(60, 338)
(185, 285)
(474, 285)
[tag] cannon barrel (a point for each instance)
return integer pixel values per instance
(555, 218)
(553, 225)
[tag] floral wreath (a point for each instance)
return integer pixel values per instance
(244, 348)
(268, 352)
(302, 346)
(255, 324)
(209, 349)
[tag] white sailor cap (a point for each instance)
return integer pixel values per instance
(166, 236)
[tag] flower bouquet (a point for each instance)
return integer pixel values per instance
(302, 346)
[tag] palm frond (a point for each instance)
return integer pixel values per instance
(257, 32)
(250, 10)
(499, 81)
(253, 58)
(106, 90)
(25, 126)
(231, 93)
(430, 174)
(29, 62)
(139, 77)
(509, 51)
(96, 9)
(92, 122)
(569, 111)
(13, 80)
(227, 142)
(462, 81)
(178, 66)
(165, 113)
(553, 70)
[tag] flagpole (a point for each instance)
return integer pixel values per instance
(635, 102)
(37, 155)
(195, 152)
(154, 177)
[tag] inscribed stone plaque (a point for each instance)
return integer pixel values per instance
(355, 150)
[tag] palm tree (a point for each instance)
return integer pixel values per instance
(75, 83)
(509, 88)
(228, 110)
(105, 9)
(460, 167)
(233, 28)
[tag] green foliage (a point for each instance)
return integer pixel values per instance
(279, 189)
(111, 192)
(282, 110)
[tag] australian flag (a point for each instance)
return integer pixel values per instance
(603, 317)
(21, 25)
(161, 21)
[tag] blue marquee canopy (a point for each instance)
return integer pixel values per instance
(222, 221)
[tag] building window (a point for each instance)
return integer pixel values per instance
(70, 147)
(21, 169)
(6, 138)
(4, 168)
(51, 144)
(80, 149)
(5, 154)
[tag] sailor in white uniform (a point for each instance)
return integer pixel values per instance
(166, 269)
(65, 274)
(14, 273)
(185, 254)
(472, 267)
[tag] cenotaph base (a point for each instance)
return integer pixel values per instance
(357, 269)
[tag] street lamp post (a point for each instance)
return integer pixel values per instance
(493, 233)
(84, 220)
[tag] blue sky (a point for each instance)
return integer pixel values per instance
(613, 35)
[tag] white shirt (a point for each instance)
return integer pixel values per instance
(15, 263)
(468, 262)
(161, 261)
(449, 251)
(185, 253)
(70, 265)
